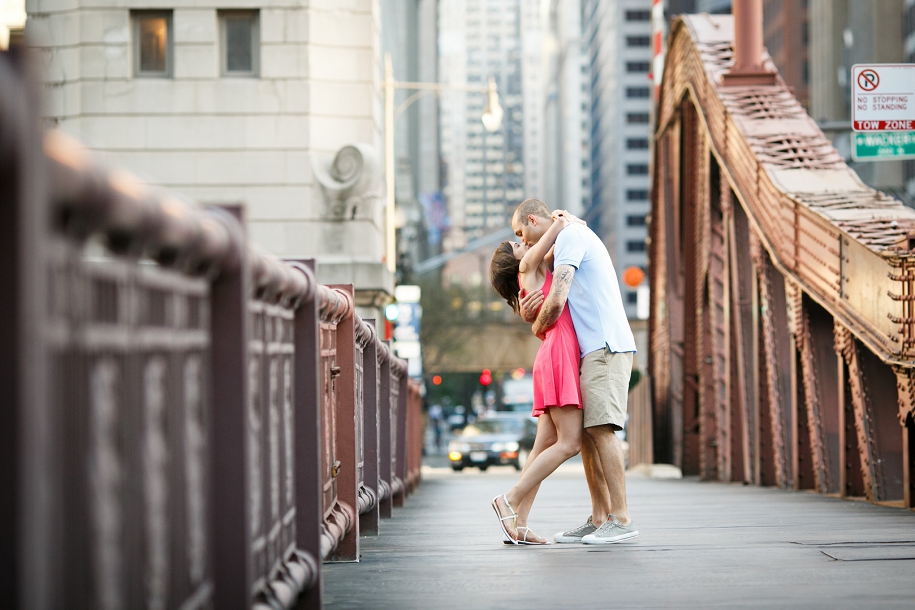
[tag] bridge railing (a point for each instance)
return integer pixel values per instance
(782, 349)
(186, 422)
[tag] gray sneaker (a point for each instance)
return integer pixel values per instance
(575, 535)
(610, 532)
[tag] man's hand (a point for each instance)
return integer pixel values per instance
(529, 305)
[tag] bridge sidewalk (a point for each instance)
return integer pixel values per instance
(701, 545)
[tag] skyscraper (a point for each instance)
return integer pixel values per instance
(785, 34)
(566, 154)
(844, 33)
(486, 174)
(408, 36)
(620, 90)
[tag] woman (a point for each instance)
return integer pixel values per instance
(557, 395)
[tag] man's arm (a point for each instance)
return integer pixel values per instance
(559, 293)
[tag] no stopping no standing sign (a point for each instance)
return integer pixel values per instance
(883, 97)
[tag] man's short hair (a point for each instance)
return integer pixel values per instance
(534, 207)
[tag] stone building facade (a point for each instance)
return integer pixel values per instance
(273, 104)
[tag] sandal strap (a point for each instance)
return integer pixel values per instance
(514, 515)
(504, 499)
(527, 531)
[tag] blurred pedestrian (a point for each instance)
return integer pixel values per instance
(436, 417)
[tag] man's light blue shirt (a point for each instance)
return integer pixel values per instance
(594, 297)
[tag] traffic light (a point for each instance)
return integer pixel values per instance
(486, 377)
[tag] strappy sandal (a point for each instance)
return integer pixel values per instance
(524, 539)
(502, 519)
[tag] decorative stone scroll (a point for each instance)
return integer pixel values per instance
(350, 183)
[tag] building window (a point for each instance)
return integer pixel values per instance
(637, 220)
(637, 41)
(637, 169)
(637, 195)
(637, 92)
(637, 118)
(632, 297)
(637, 66)
(638, 15)
(240, 41)
(635, 246)
(152, 42)
(637, 143)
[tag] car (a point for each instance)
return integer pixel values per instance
(502, 439)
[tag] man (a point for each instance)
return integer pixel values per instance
(584, 276)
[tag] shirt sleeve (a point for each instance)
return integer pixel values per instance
(569, 250)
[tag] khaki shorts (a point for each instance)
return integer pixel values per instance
(605, 387)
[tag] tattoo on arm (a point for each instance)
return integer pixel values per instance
(559, 293)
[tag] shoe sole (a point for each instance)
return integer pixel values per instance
(609, 541)
(566, 539)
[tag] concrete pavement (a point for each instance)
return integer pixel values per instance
(701, 545)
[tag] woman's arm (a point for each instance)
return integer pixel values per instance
(538, 251)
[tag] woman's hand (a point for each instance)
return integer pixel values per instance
(567, 217)
(529, 305)
(562, 217)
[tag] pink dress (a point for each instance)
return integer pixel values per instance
(556, 367)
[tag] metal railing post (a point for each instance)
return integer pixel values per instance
(308, 450)
(347, 441)
(385, 476)
(229, 389)
(415, 448)
(402, 441)
(29, 559)
(368, 521)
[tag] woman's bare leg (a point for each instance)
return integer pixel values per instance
(546, 436)
(568, 430)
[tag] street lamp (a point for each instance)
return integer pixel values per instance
(492, 112)
(492, 120)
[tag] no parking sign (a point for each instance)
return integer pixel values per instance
(883, 97)
(883, 108)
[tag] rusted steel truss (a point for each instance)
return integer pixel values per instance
(783, 290)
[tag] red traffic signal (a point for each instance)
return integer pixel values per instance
(486, 377)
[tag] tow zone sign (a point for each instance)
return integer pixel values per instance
(883, 97)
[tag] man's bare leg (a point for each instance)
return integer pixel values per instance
(612, 461)
(597, 483)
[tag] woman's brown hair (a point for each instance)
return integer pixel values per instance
(503, 273)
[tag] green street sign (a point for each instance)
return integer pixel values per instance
(883, 145)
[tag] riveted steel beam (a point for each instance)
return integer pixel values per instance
(871, 473)
(744, 384)
(775, 375)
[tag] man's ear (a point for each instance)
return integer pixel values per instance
(531, 220)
